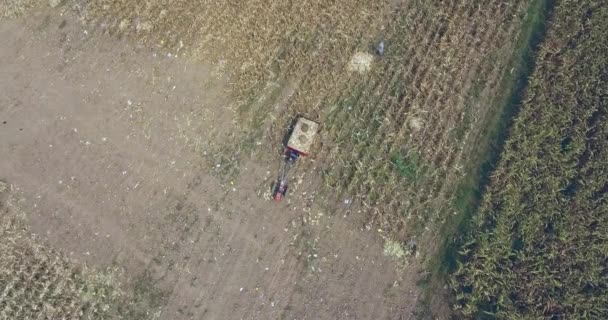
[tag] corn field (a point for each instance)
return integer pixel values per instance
(400, 134)
(40, 283)
(538, 248)
(397, 133)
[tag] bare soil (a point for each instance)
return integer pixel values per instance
(105, 143)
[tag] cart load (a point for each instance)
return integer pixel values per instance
(299, 144)
(302, 136)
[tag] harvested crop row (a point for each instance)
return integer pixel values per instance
(538, 246)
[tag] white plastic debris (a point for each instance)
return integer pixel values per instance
(380, 48)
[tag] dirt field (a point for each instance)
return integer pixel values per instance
(104, 142)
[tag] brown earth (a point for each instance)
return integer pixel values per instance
(105, 142)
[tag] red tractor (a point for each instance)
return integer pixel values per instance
(299, 144)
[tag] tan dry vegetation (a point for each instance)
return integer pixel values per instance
(15, 8)
(262, 40)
